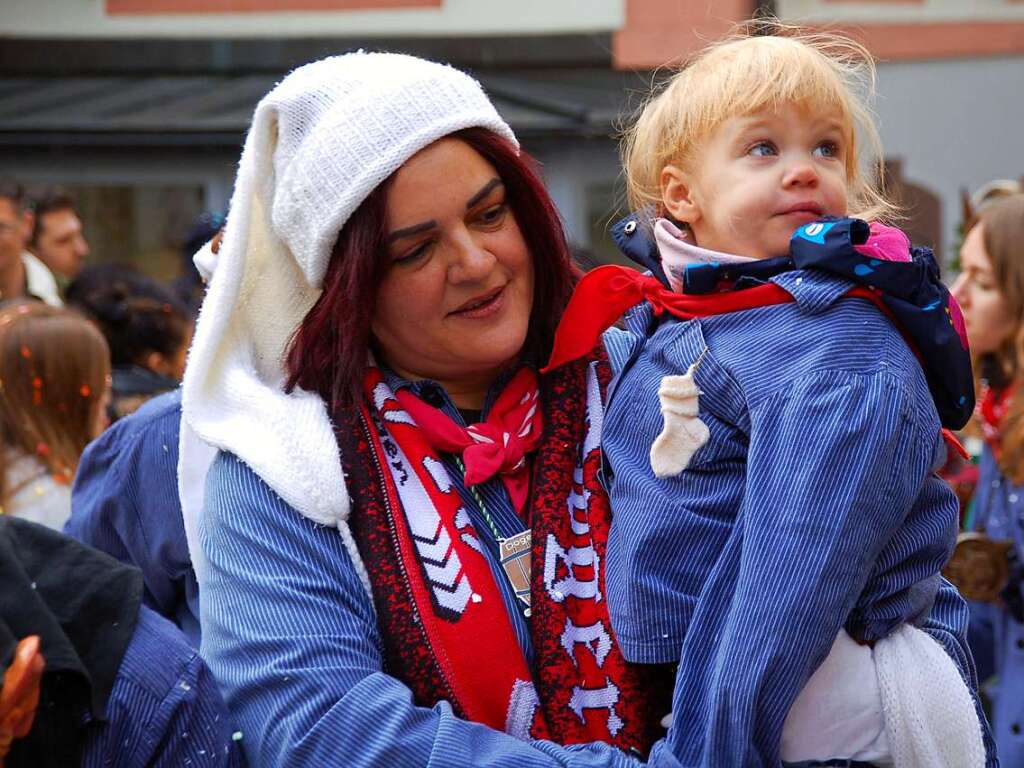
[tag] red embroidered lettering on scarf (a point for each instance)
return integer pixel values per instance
(424, 562)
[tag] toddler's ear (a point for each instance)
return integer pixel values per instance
(677, 197)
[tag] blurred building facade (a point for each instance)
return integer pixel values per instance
(139, 107)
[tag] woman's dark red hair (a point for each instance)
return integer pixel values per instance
(328, 352)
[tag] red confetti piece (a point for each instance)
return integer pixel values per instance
(37, 383)
(43, 449)
(85, 390)
(26, 352)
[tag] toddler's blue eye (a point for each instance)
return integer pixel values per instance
(763, 149)
(827, 149)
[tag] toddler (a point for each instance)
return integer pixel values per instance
(778, 525)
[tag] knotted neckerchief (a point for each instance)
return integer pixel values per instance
(497, 446)
(605, 293)
(614, 289)
(444, 626)
(995, 404)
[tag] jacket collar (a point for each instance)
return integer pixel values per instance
(632, 235)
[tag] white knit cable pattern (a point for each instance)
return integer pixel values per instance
(319, 143)
(682, 433)
(930, 718)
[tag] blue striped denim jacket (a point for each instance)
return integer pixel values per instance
(291, 635)
(125, 502)
(997, 638)
(813, 506)
(164, 710)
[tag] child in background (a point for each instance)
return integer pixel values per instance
(55, 384)
(146, 326)
(779, 517)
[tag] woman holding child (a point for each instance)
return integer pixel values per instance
(390, 462)
(401, 549)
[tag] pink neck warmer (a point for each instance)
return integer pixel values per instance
(678, 252)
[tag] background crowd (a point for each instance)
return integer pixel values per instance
(84, 343)
(92, 355)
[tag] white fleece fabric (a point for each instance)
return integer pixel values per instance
(319, 143)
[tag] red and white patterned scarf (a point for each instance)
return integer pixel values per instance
(993, 406)
(497, 446)
(446, 631)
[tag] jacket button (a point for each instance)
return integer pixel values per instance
(1015, 728)
(1020, 644)
(630, 227)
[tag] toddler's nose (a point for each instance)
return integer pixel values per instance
(800, 174)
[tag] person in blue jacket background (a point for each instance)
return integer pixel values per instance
(125, 502)
(125, 498)
(121, 686)
(990, 289)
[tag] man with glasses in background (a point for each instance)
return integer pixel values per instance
(22, 275)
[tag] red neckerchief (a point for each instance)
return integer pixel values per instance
(497, 446)
(992, 409)
(605, 293)
(444, 627)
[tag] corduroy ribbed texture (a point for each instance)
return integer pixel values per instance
(812, 507)
(165, 710)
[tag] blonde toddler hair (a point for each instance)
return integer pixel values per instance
(746, 73)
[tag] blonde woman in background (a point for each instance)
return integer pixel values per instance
(990, 290)
(55, 380)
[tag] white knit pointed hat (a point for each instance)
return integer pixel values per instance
(319, 143)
